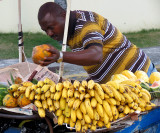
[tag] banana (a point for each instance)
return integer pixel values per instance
(84, 128)
(66, 84)
(52, 96)
(96, 115)
(37, 97)
(94, 122)
(131, 105)
(42, 97)
(82, 122)
(87, 96)
(38, 91)
(82, 95)
(114, 111)
(78, 126)
(13, 87)
(70, 102)
(107, 89)
(147, 92)
(127, 97)
(122, 98)
(84, 84)
(64, 93)
(60, 119)
(79, 114)
(83, 108)
(76, 84)
(59, 87)
(58, 112)
(106, 96)
(45, 88)
(89, 108)
(132, 110)
(73, 115)
(52, 108)
(71, 91)
(149, 106)
(44, 104)
(111, 101)
(27, 92)
(49, 81)
(49, 102)
(123, 103)
(16, 94)
(97, 97)
(100, 123)
(31, 96)
(99, 90)
(121, 115)
(126, 110)
(76, 94)
(27, 84)
(145, 97)
(120, 108)
(34, 87)
(21, 89)
(56, 104)
(67, 111)
(114, 84)
(116, 93)
(62, 103)
(66, 120)
(81, 89)
(41, 112)
(57, 95)
(135, 106)
(72, 124)
(122, 88)
(118, 102)
(106, 120)
(93, 103)
(87, 118)
(53, 88)
(47, 94)
(107, 108)
(93, 128)
(91, 84)
(129, 82)
(40, 84)
(108, 125)
(38, 104)
(99, 109)
(76, 104)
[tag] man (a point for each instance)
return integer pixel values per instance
(96, 44)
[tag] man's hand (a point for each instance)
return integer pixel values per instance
(53, 58)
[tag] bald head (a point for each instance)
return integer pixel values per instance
(51, 8)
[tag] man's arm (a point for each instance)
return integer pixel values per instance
(91, 56)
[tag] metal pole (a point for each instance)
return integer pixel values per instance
(20, 35)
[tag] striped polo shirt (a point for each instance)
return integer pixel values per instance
(88, 28)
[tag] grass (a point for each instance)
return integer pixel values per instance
(9, 41)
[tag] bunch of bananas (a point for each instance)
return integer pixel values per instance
(87, 105)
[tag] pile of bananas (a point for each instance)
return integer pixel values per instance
(88, 105)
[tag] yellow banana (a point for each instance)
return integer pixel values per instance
(62, 103)
(83, 108)
(122, 88)
(13, 87)
(79, 114)
(44, 104)
(72, 124)
(16, 94)
(81, 89)
(53, 88)
(126, 110)
(76, 84)
(67, 111)
(64, 93)
(87, 96)
(99, 90)
(145, 97)
(127, 97)
(21, 89)
(70, 102)
(96, 115)
(84, 84)
(114, 111)
(106, 117)
(93, 127)
(106, 96)
(97, 97)
(71, 91)
(149, 106)
(116, 93)
(107, 89)
(89, 108)
(76, 104)
(111, 101)
(114, 84)
(52, 96)
(76, 94)
(121, 115)
(138, 109)
(58, 112)
(27, 84)
(47, 94)
(52, 108)
(132, 110)
(131, 105)
(87, 118)
(99, 109)
(142, 103)
(41, 112)
(57, 95)
(147, 92)
(66, 120)
(38, 104)
(108, 125)
(27, 92)
(66, 84)
(84, 128)
(56, 104)
(60, 120)
(40, 84)
(82, 95)
(37, 97)
(78, 126)
(122, 98)
(93, 103)
(120, 108)
(59, 87)
(135, 106)
(107, 108)
(42, 97)
(45, 88)
(100, 123)
(38, 91)
(91, 84)
(73, 115)
(94, 122)
(31, 96)
(49, 102)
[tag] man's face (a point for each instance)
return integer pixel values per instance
(53, 26)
